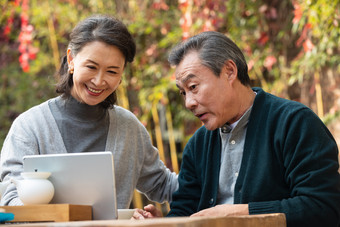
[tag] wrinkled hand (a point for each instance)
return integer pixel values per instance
(224, 210)
(150, 211)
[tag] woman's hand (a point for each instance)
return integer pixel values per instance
(150, 211)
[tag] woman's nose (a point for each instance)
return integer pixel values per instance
(98, 79)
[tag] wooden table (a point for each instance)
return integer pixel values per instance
(267, 220)
(49, 213)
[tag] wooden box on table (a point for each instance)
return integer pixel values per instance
(50, 213)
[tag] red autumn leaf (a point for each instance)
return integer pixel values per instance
(251, 64)
(269, 62)
(303, 34)
(297, 13)
(7, 30)
(307, 45)
(25, 67)
(263, 38)
(183, 3)
(160, 6)
(23, 58)
(22, 47)
(32, 56)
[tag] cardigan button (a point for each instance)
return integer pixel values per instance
(211, 201)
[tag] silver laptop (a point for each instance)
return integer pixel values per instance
(81, 179)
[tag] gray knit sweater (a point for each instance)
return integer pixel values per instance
(137, 163)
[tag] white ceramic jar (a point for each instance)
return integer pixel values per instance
(35, 188)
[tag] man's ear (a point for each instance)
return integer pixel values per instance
(69, 58)
(230, 70)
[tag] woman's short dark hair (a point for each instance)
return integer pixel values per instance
(214, 50)
(96, 28)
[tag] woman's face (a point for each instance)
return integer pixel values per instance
(98, 70)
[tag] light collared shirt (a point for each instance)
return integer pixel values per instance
(231, 157)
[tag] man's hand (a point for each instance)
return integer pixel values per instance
(150, 211)
(224, 210)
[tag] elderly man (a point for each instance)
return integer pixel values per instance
(256, 153)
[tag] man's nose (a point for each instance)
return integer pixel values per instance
(190, 102)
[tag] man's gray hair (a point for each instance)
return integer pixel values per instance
(214, 50)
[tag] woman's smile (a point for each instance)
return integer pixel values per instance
(95, 92)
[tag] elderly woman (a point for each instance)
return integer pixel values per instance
(84, 118)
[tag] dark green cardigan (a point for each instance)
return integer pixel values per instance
(289, 165)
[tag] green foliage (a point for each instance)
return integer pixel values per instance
(274, 47)
(322, 20)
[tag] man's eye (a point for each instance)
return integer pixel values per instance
(112, 72)
(192, 87)
(182, 93)
(91, 67)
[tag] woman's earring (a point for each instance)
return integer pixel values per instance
(70, 70)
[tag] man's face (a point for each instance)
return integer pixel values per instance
(208, 97)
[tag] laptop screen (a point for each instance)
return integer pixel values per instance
(80, 179)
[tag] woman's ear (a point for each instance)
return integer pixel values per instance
(230, 70)
(69, 58)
